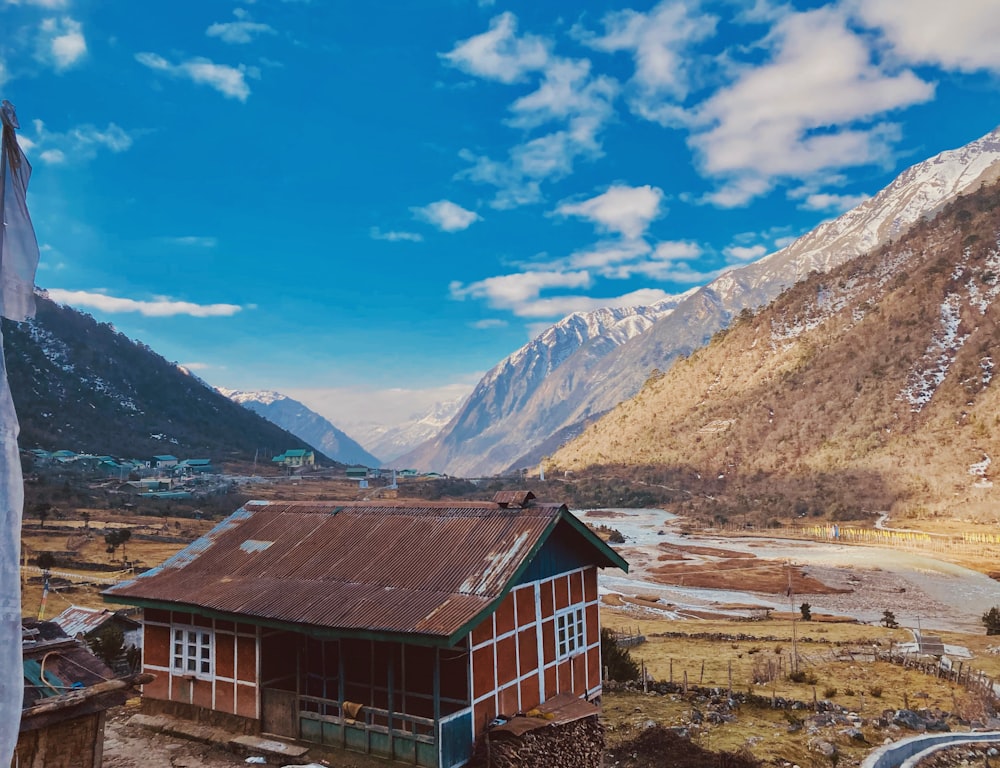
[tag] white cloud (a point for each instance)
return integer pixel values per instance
(241, 31)
(64, 40)
(514, 186)
(196, 366)
(4, 76)
(50, 4)
(819, 201)
(519, 292)
(957, 36)
(604, 255)
(395, 236)
(160, 307)
(489, 322)
(52, 156)
(549, 157)
(676, 250)
(447, 216)
(567, 91)
(744, 253)
(229, 81)
(739, 191)
(658, 41)
(811, 108)
(667, 262)
(113, 137)
(499, 54)
(624, 210)
(194, 241)
(80, 143)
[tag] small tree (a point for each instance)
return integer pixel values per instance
(115, 538)
(619, 662)
(991, 620)
(806, 610)
(889, 619)
(108, 643)
(45, 560)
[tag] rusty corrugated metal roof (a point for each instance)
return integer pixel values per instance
(411, 568)
(513, 498)
(77, 619)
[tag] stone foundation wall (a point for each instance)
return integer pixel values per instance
(201, 715)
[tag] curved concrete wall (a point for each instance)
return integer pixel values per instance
(901, 753)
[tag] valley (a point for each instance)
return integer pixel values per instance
(712, 638)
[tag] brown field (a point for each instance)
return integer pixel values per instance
(86, 543)
(736, 573)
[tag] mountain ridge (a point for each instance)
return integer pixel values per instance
(869, 388)
(300, 420)
(483, 439)
(82, 385)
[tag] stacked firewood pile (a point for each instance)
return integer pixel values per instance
(578, 744)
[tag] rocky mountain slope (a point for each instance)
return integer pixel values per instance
(522, 397)
(523, 409)
(392, 442)
(868, 388)
(295, 417)
(81, 385)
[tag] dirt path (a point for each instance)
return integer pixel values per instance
(128, 746)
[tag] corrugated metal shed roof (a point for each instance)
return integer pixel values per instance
(366, 568)
(77, 620)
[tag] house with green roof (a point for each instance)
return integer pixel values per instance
(295, 457)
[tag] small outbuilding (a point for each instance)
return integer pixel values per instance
(401, 629)
(67, 691)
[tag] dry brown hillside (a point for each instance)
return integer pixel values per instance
(869, 388)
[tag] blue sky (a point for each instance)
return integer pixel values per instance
(367, 205)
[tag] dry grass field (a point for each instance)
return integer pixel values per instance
(831, 654)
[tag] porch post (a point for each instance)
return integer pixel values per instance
(340, 691)
(437, 703)
(390, 680)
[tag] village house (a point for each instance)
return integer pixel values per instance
(295, 457)
(164, 461)
(402, 629)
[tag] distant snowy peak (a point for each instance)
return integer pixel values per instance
(391, 442)
(264, 397)
(304, 423)
(559, 341)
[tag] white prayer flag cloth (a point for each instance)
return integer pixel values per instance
(18, 260)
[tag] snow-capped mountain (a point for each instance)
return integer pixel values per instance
(868, 388)
(391, 442)
(521, 394)
(548, 390)
(306, 424)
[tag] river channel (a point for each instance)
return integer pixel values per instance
(921, 591)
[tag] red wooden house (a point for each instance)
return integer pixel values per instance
(400, 629)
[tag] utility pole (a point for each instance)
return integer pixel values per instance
(791, 605)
